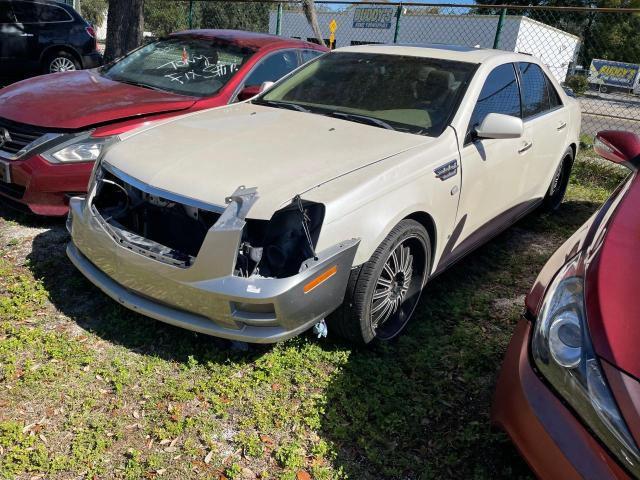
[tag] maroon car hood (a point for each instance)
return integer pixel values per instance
(613, 307)
(75, 100)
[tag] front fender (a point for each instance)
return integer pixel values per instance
(369, 202)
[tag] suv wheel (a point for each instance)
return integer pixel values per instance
(384, 292)
(61, 62)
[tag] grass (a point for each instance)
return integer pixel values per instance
(89, 389)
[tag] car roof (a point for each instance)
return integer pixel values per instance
(440, 51)
(244, 38)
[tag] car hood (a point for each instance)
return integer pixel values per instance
(208, 154)
(612, 307)
(76, 100)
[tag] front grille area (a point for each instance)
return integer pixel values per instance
(168, 231)
(21, 135)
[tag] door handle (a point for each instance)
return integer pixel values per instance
(525, 147)
(561, 126)
(26, 34)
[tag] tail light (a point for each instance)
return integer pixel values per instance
(92, 33)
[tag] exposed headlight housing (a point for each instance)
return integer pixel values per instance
(563, 353)
(279, 247)
(83, 148)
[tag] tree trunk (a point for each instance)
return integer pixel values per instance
(309, 9)
(125, 25)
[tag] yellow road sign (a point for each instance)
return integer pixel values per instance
(333, 26)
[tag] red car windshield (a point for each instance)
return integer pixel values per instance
(188, 66)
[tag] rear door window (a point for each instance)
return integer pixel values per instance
(27, 12)
(500, 94)
(535, 97)
(554, 98)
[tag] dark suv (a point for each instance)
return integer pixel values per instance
(44, 36)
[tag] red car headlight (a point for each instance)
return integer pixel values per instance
(563, 353)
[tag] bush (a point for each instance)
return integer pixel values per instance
(577, 83)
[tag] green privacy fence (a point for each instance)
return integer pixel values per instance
(593, 51)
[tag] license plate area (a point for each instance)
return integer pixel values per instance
(5, 172)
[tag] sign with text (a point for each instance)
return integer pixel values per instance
(616, 74)
(373, 17)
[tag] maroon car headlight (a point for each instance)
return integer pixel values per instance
(81, 148)
(563, 353)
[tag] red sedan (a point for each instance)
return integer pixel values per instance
(569, 391)
(53, 128)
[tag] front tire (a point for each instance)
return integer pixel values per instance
(383, 293)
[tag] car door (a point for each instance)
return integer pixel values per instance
(26, 42)
(545, 128)
(8, 31)
(494, 184)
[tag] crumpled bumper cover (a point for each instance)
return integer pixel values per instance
(254, 309)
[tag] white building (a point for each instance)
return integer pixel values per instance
(377, 24)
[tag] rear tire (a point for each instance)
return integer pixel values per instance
(60, 61)
(383, 293)
(558, 188)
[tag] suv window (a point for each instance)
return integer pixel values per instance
(535, 98)
(308, 55)
(272, 68)
(554, 98)
(500, 94)
(6, 15)
(27, 12)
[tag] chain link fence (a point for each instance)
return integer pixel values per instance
(593, 52)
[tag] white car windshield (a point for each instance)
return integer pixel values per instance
(404, 93)
(188, 66)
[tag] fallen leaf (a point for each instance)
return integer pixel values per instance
(208, 458)
(302, 475)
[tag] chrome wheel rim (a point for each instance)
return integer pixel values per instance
(61, 64)
(397, 289)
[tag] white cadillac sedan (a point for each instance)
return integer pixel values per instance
(337, 193)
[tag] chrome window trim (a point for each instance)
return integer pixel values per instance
(159, 192)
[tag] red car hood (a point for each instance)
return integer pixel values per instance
(75, 100)
(613, 308)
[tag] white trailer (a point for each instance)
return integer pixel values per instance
(377, 24)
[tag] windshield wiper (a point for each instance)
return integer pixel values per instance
(290, 106)
(376, 122)
(139, 84)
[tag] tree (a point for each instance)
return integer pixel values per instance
(93, 11)
(124, 27)
(162, 17)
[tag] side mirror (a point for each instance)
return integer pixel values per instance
(248, 92)
(497, 125)
(618, 146)
(266, 86)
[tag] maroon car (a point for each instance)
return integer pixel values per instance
(52, 128)
(569, 391)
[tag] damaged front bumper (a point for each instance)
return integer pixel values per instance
(207, 297)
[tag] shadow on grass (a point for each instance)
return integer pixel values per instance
(415, 408)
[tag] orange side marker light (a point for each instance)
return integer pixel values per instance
(320, 279)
